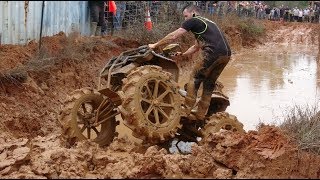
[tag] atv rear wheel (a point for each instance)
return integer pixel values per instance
(152, 104)
(79, 117)
(221, 120)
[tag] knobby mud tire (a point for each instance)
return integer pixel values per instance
(221, 120)
(68, 117)
(153, 116)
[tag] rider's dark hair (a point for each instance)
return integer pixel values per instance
(191, 7)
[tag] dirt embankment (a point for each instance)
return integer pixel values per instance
(265, 153)
(31, 146)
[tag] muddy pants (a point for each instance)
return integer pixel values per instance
(207, 73)
(97, 15)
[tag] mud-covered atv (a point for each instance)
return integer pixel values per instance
(141, 85)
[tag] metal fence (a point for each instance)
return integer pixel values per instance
(20, 21)
(133, 13)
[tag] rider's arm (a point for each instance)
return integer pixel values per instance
(170, 37)
(192, 49)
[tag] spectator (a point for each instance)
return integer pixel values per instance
(281, 12)
(286, 14)
(260, 12)
(272, 14)
(291, 15)
(211, 7)
(277, 14)
(268, 11)
(121, 7)
(155, 10)
(98, 25)
(312, 15)
(240, 9)
(306, 15)
(221, 8)
(316, 15)
(300, 15)
(296, 14)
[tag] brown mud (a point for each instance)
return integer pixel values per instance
(31, 146)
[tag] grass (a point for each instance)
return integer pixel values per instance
(143, 36)
(303, 124)
(251, 28)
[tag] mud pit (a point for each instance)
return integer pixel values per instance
(31, 146)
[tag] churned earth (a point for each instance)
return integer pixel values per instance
(33, 85)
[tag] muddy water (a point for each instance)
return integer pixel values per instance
(264, 83)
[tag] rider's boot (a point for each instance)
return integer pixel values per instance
(190, 98)
(98, 31)
(93, 28)
(203, 106)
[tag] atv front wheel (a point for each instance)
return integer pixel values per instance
(152, 104)
(79, 117)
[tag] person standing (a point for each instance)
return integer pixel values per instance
(121, 7)
(98, 24)
(267, 11)
(215, 55)
(296, 14)
(300, 16)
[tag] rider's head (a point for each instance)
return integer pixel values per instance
(190, 11)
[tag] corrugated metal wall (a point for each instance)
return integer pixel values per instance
(20, 21)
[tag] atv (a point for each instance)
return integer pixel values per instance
(141, 86)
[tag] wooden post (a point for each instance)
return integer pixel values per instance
(41, 24)
(318, 44)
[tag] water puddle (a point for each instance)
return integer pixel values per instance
(265, 82)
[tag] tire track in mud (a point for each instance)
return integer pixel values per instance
(294, 34)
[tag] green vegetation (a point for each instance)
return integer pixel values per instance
(303, 124)
(143, 36)
(251, 28)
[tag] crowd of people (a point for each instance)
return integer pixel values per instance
(295, 14)
(261, 10)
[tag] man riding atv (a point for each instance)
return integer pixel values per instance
(215, 55)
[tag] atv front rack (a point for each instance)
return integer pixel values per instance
(141, 53)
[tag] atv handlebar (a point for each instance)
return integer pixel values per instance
(168, 50)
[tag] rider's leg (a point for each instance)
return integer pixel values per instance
(193, 86)
(192, 90)
(211, 75)
(204, 102)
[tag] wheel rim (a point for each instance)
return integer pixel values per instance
(157, 102)
(85, 115)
